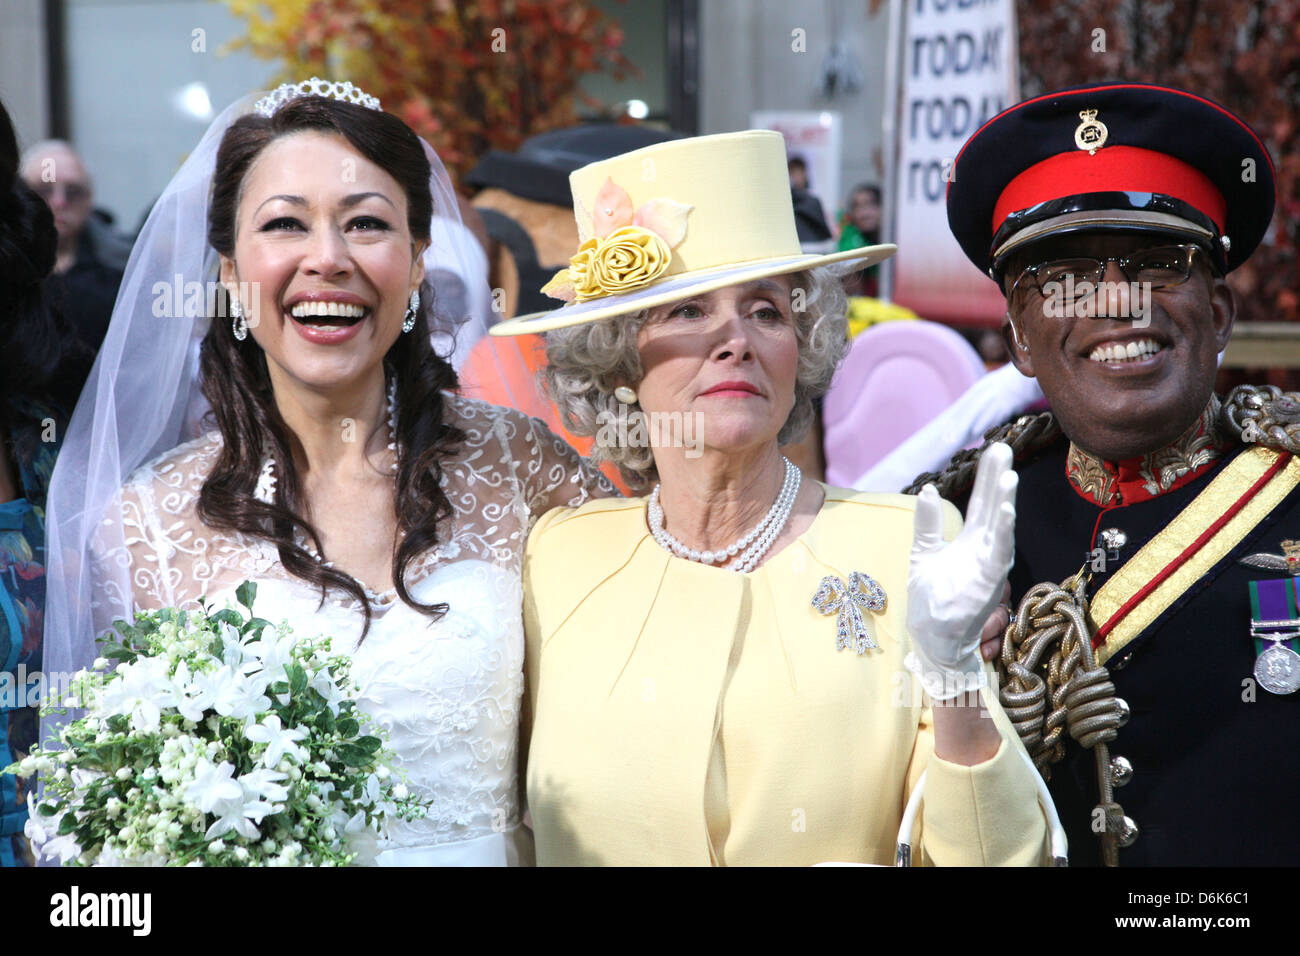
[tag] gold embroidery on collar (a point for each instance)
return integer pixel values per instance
(1089, 475)
(1199, 445)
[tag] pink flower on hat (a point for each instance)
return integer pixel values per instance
(628, 250)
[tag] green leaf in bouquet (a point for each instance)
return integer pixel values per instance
(297, 679)
(256, 625)
(353, 755)
(246, 594)
(347, 726)
(229, 616)
(67, 824)
(119, 652)
(369, 744)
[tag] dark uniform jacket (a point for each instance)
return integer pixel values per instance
(1216, 759)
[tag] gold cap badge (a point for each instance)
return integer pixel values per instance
(1091, 133)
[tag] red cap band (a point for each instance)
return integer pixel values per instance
(1111, 169)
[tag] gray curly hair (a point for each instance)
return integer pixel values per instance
(586, 362)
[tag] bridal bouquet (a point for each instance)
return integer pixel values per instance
(219, 739)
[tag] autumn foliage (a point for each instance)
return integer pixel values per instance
(468, 76)
(1243, 53)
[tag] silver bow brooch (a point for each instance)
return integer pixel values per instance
(848, 601)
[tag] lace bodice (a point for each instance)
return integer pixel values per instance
(448, 691)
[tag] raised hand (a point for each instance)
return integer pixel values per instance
(953, 587)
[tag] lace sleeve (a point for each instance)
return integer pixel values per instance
(150, 550)
(552, 473)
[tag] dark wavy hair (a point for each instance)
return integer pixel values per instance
(41, 359)
(238, 387)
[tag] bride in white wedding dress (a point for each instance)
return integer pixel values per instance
(345, 477)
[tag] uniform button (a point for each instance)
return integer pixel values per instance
(1124, 713)
(1128, 832)
(1112, 539)
(1121, 771)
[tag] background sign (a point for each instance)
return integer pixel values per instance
(958, 65)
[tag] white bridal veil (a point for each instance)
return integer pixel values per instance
(143, 396)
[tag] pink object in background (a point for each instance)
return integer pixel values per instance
(896, 378)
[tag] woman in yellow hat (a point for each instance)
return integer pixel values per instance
(729, 670)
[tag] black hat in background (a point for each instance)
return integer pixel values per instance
(540, 169)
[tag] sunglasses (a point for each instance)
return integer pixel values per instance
(72, 192)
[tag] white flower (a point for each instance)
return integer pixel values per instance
(279, 742)
(141, 690)
(234, 695)
(101, 663)
(216, 846)
(212, 786)
(274, 655)
(193, 695)
(400, 792)
(264, 784)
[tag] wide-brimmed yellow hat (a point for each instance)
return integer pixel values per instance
(677, 219)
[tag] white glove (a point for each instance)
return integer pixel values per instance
(952, 587)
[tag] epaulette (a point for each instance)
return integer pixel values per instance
(1251, 414)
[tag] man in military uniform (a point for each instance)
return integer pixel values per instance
(1109, 215)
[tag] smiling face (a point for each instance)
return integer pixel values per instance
(730, 356)
(324, 263)
(1120, 389)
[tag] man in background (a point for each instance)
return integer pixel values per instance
(91, 255)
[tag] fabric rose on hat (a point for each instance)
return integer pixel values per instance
(629, 250)
(628, 258)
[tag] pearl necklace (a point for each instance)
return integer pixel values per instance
(265, 491)
(753, 545)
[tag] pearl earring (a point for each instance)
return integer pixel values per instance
(625, 395)
(412, 308)
(238, 326)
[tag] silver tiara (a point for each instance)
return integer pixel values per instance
(344, 91)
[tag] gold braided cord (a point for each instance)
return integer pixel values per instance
(1263, 415)
(1051, 685)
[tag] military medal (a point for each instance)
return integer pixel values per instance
(847, 601)
(1275, 620)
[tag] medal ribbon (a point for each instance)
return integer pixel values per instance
(1275, 600)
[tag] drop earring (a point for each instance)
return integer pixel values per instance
(625, 395)
(412, 309)
(238, 326)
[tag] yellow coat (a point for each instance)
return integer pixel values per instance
(684, 714)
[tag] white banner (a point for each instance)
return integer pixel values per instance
(959, 68)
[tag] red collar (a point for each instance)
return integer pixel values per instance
(1148, 476)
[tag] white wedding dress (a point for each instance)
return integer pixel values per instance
(448, 692)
